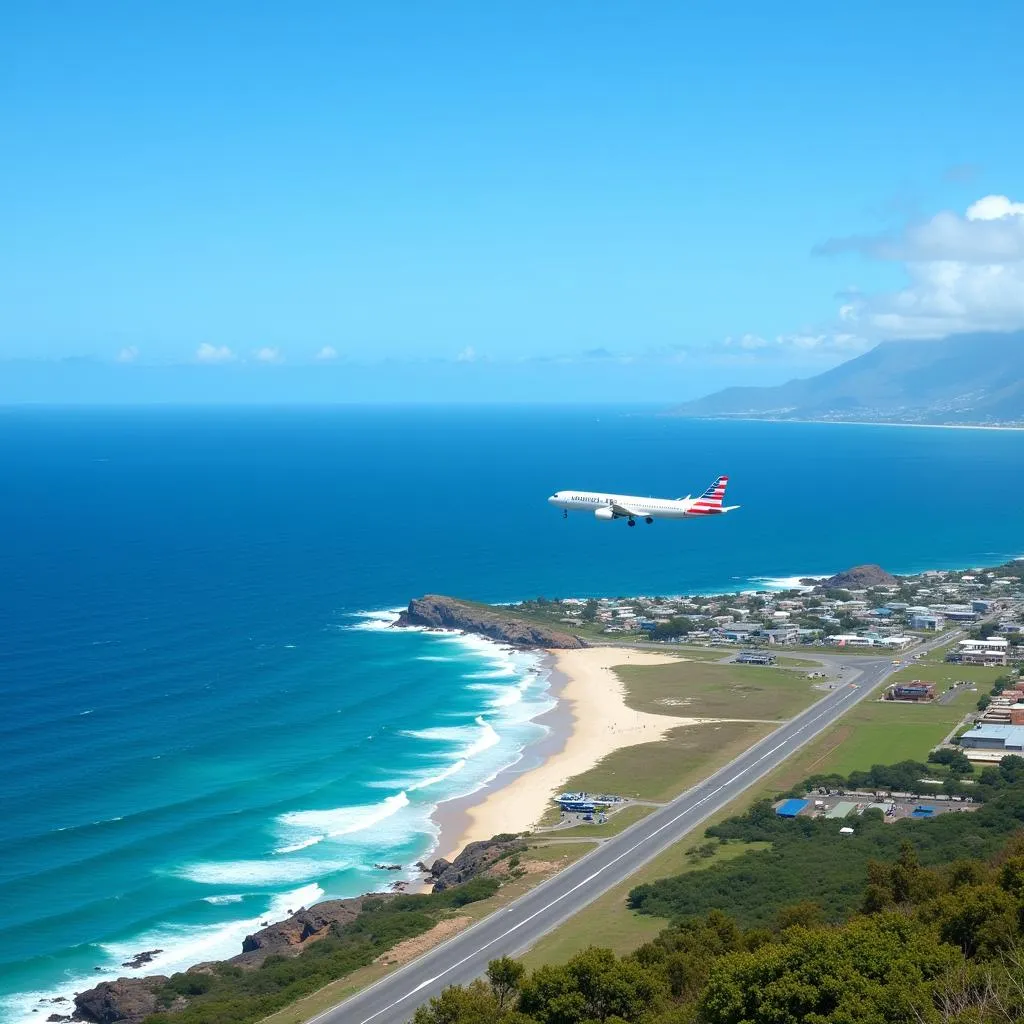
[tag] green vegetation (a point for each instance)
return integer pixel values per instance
(880, 732)
(661, 770)
(920, 945)
(717, 691)
(229, 994)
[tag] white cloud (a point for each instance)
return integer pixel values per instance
(128, 354)
(326, 354)
(207, 353)
(824, 343)
(965, 272)
(268, 354)
(467, 355)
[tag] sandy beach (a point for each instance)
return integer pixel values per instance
(599, 722)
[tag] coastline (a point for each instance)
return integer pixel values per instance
(590, 721)
(862, 423)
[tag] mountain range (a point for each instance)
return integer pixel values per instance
(964, 378)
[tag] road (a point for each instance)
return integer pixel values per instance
(516, 928)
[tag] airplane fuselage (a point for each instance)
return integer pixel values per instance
(591, 501)
(632, 507)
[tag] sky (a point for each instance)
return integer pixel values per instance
(462, 201)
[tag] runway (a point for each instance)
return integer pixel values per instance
(516, 928)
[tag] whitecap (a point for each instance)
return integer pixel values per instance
(412, 783)
(181, 947)
(301, 845)
(218, 901)
(283, 871)
(786, 582)
(342, 821)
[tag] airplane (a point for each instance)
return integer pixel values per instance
(631, 507)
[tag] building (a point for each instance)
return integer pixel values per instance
(740, 631)
(981, 652)
(915, 691)
(1007, 739)
(981, 606)
(755, 658)
(791, 808)
(960, 613)
(784, 634)
(841, 809)
(927, 620)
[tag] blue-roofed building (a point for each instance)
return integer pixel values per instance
(791, 808)
(994, 736)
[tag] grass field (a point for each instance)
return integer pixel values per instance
(945, 675)
(608, 922)
(699, 690)
(664, 769)
(873, 732)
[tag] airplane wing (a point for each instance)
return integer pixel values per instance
(623, 511)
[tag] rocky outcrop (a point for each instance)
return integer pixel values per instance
(861, 577)
(141, 959)
(125, 1001)
(437, 612)
(131, 1000)
(475, 860)
(291, 936)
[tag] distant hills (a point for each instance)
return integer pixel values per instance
(965, 378)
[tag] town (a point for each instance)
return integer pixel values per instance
(865, 607)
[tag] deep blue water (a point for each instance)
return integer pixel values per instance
(201, 730)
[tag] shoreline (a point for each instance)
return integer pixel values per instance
(860, 423)
(590, 721)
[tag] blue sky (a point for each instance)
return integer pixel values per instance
(493, 200)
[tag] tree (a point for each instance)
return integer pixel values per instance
(593, 986)
(473, 1004)
(805, 914)
(873, 969)
(506, 977)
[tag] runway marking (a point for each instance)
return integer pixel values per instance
(586, 881)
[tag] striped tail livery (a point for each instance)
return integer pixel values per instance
(710, 502)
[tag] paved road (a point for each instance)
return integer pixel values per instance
(514, 929)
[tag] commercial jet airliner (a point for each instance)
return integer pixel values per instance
(631, 508)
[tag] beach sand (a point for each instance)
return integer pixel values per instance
(598, 722)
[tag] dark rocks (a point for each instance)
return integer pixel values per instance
(125, 1001)
(58, 1018)
(861, 577)
(141, 958)
(388, 867)
(288, 937)
(437, 612)
(474, 861)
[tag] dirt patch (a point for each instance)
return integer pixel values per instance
(420, 944)
(541, 867)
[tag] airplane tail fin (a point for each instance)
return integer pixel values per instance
(710, 502)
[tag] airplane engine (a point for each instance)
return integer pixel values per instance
(603, 513)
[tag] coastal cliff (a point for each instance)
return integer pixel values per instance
(132, 1000)
(437, 612)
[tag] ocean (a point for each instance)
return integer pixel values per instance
(207, 719)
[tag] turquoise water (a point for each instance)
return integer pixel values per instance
(207, 722)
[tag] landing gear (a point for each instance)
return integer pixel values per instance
(649, 520)
(632, 522)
